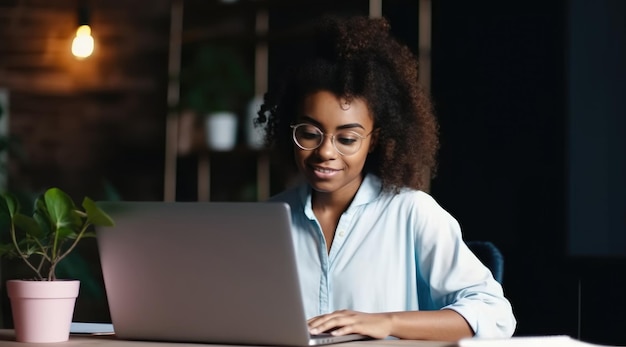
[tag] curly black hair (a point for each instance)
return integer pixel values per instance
(358, 57)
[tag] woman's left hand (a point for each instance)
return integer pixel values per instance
(343, 322)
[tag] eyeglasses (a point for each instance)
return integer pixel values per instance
(309, 137)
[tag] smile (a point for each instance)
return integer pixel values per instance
(324, 170)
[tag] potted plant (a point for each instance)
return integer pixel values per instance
(214, 84)
(43, 306)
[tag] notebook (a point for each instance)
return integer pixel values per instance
(204, 272)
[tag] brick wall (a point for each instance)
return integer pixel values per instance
(80, 124)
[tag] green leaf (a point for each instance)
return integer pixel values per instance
(7, 249)
(44, 223)
(28, 225)
(5, 216)
(65, 232)
(96, 215)
(11, 204)
(61, 208)
(40, 204)
(31, 249)
(89, 234)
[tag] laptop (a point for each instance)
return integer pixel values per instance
(204, 272)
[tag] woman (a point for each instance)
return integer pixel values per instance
(376, 254)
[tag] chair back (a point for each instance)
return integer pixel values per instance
(489, 255)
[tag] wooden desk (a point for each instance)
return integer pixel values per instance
(7, 339)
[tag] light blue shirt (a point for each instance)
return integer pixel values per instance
(393, 252)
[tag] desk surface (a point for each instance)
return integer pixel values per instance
(7, 339)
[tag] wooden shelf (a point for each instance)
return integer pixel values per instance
(262, 171)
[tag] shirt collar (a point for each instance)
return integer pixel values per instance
(369, 190)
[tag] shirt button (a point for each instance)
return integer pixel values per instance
(341, 233)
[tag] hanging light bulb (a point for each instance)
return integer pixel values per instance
(83, 43)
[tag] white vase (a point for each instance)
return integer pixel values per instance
(42, 310)
(221, 130)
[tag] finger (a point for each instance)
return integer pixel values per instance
(344, 330)
(315, 321)
(322, 327)
(330, 323)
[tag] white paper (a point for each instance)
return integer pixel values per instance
(91, 328)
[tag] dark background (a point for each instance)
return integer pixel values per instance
(529, 95)
(507, 90)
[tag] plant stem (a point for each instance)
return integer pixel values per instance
(44, 254)
(41, 263)
(22, 255)
(53, 256)
(72, 246)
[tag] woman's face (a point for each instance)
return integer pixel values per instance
(326, 169)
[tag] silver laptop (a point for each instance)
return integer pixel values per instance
(204, 272)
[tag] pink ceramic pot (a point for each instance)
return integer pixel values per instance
(42, 310)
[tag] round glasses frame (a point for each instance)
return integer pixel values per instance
(323, 137)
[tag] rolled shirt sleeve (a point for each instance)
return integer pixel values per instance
(456, 278)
